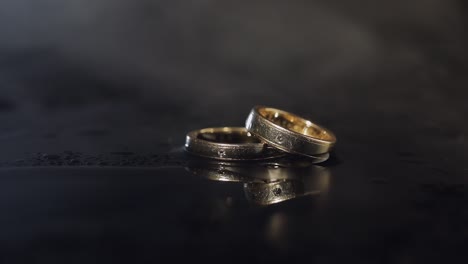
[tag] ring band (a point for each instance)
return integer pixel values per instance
(263, 185)
(289, 132)
(228, 143)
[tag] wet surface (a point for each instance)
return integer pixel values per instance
(91, 130)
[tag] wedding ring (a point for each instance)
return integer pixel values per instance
(228, 143)
(289, 132)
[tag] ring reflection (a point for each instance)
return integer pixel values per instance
(267, 183)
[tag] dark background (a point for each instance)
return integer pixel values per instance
(103, 78)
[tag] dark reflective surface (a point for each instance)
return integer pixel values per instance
(339, 212)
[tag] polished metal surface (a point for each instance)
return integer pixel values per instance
(289, 132)
(228, 143)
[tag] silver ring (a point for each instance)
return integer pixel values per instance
(228, 143)
(289, 132)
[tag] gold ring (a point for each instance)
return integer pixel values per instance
(289, 132)
(228, 143)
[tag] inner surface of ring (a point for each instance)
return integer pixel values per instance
(294, 123)
(229, 137)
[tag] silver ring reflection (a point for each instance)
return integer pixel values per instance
(267, 184)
